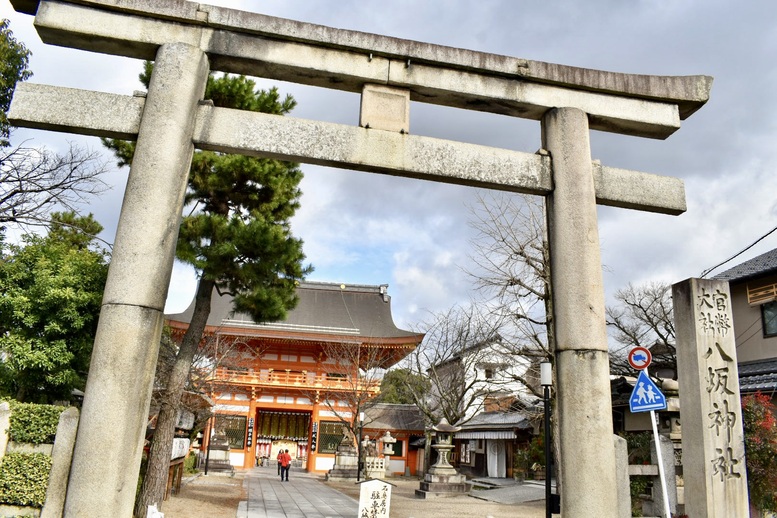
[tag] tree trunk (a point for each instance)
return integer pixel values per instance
(152, 491)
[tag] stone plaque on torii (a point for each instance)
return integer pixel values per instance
(187, 40)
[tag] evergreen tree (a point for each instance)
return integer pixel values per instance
(50, 293)
(14, 58)
(403, 386)
(238, 237)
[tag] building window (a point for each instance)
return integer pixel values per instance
(489, 372)
(769, 317)
(330, 433)
(234, 427)
(466, 448)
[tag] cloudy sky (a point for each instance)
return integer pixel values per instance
(413, 235)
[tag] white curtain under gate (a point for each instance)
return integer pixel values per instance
(496, 458)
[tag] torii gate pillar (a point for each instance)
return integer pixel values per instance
(582, 361)
(118, 389)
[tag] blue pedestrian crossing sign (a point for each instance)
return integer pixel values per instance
(646, 396)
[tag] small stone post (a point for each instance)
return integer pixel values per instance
(5, 424)
(670, 472)
(61, 459)
(622, 477)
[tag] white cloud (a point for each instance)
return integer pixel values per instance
(374, 229)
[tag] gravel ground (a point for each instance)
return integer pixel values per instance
(212, 496)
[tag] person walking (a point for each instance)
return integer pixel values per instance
(278, 458)
(285, 461)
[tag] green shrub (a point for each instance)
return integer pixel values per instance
(24, 478)
(760, 426)
(190, 463)
(36, 424)
(638, 445)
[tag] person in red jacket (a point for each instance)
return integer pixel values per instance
(285, 461)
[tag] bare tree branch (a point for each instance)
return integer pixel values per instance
(467, 362)
(643, 317)
(34, 181)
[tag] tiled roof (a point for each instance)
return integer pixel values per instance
(341, 309)
(496, 421)
(389, 416)
(760, 265)
(760, 375)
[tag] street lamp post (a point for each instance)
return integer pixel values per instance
(546, 380)
(360, 462)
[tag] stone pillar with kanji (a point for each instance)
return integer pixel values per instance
(713, 441)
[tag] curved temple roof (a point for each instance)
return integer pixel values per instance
(324, 308)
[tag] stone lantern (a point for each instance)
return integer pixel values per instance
(388, 450)
(444, 445)
(442, 479)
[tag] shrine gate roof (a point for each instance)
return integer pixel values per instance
(323, 308)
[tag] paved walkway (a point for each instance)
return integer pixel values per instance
(306, 496)
(303, 496)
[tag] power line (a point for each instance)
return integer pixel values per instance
(751, 245)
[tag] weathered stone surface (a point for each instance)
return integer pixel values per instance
(436, 486)
(670, 476)
(581, 353)
(385, 108)
(118, 389)
(622, 477)
(263, 46)
(95, 113)
(578, 289)
(714, 472)
(338, 145)
(61, 459)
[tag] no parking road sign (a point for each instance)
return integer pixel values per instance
(640, 358)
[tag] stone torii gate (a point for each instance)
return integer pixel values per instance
(186, 40)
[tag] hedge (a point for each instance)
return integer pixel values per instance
(24, 478)
(32, 423)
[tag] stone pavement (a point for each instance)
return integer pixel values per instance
(507, 491)
(307, 496)
(303, 496)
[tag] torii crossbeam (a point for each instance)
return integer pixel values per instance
(188, 39)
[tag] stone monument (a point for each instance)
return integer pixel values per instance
(346, 459)
(442, 479)
(375, 499)
(714, 471)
